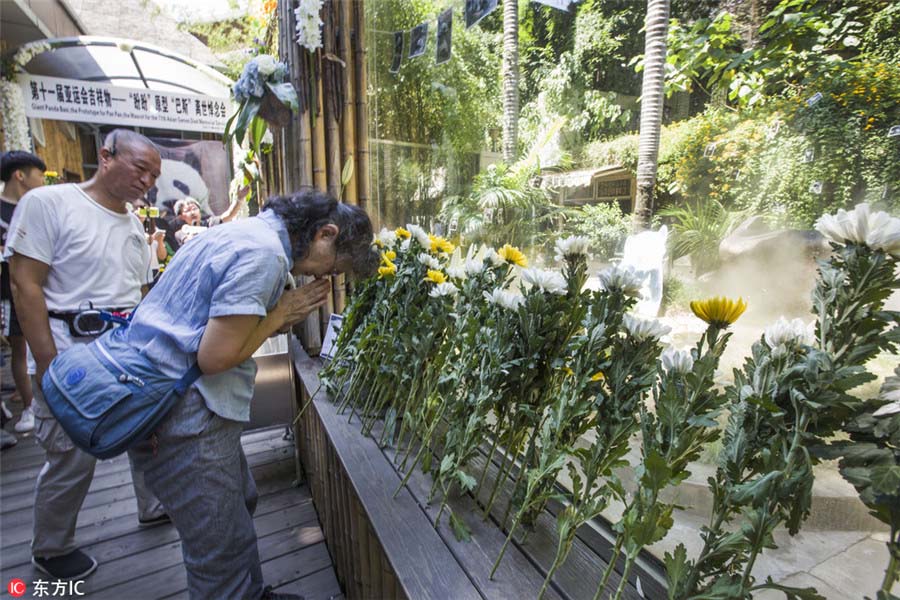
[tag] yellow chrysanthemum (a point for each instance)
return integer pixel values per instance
(378, 243)
(403, 233)
(568, 371)
(439, 244)
(435, 276)
(719, 311)
(512, 255)
(389, 254)
(598, 376)
(52, 174)
(388, 269)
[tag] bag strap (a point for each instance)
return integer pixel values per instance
(188, 378)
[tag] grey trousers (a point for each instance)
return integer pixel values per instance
(198, 469)
(63, 483)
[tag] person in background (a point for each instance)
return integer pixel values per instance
(222, 296)
(160, 251)
(71, 247)
(20, 172)
(187, 212)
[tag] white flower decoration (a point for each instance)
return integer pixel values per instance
(623, 279)
(644, 329)
(508, 300)
(577, 245)
(677, 361)
(548, 281)
(15, 124)
(443, 289)
(309, 24)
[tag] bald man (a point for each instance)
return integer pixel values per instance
(71, 247)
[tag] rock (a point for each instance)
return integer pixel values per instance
(754, 238)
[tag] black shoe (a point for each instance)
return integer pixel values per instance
(74, 565)
(161, 519)
(270, 594)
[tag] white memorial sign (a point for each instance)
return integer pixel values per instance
(94, 102)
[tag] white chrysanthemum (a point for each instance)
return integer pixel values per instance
(788, 333)
(266, 64)
(495, 258)
(644, 329)
(404, 245)
(877, 230)
(623, 279)
(508, 300)
(457, 272)
(577, 245)
(884, 233)
(890, 391)
(443, 289)
(429, 261)
(421, 235)
(677, 361)
(387, 237)
(548, 281)
(474, 266)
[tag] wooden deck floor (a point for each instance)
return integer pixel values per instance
(146, 563)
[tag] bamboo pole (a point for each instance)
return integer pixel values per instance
(320, 172)
(348, 116)
(330, 102)
(362, 108)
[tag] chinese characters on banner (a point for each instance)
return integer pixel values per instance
(93, 102)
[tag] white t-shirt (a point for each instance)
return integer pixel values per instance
(96, 256)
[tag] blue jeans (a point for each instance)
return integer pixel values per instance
(197, 468)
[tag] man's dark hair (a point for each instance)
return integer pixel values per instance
(304, 213)
(14, 160)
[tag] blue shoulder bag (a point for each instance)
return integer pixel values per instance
(107, 403)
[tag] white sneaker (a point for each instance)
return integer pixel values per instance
(26, 421)
(7, 415)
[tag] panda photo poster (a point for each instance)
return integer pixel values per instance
(194, 168)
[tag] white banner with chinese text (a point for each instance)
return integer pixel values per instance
(94, 102)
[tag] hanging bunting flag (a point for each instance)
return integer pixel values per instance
(476, 10)
(417, 38)
(557, 4)
(398, 52)
(444, 37)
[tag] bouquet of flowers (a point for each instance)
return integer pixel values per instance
(266, 97)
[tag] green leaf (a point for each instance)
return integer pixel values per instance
(231, 119)
(677, 566)
(466, 482)
(286, 93)
(244, 117)
(347, 172)
(460, 529)
(258, 128)
(791, 593)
